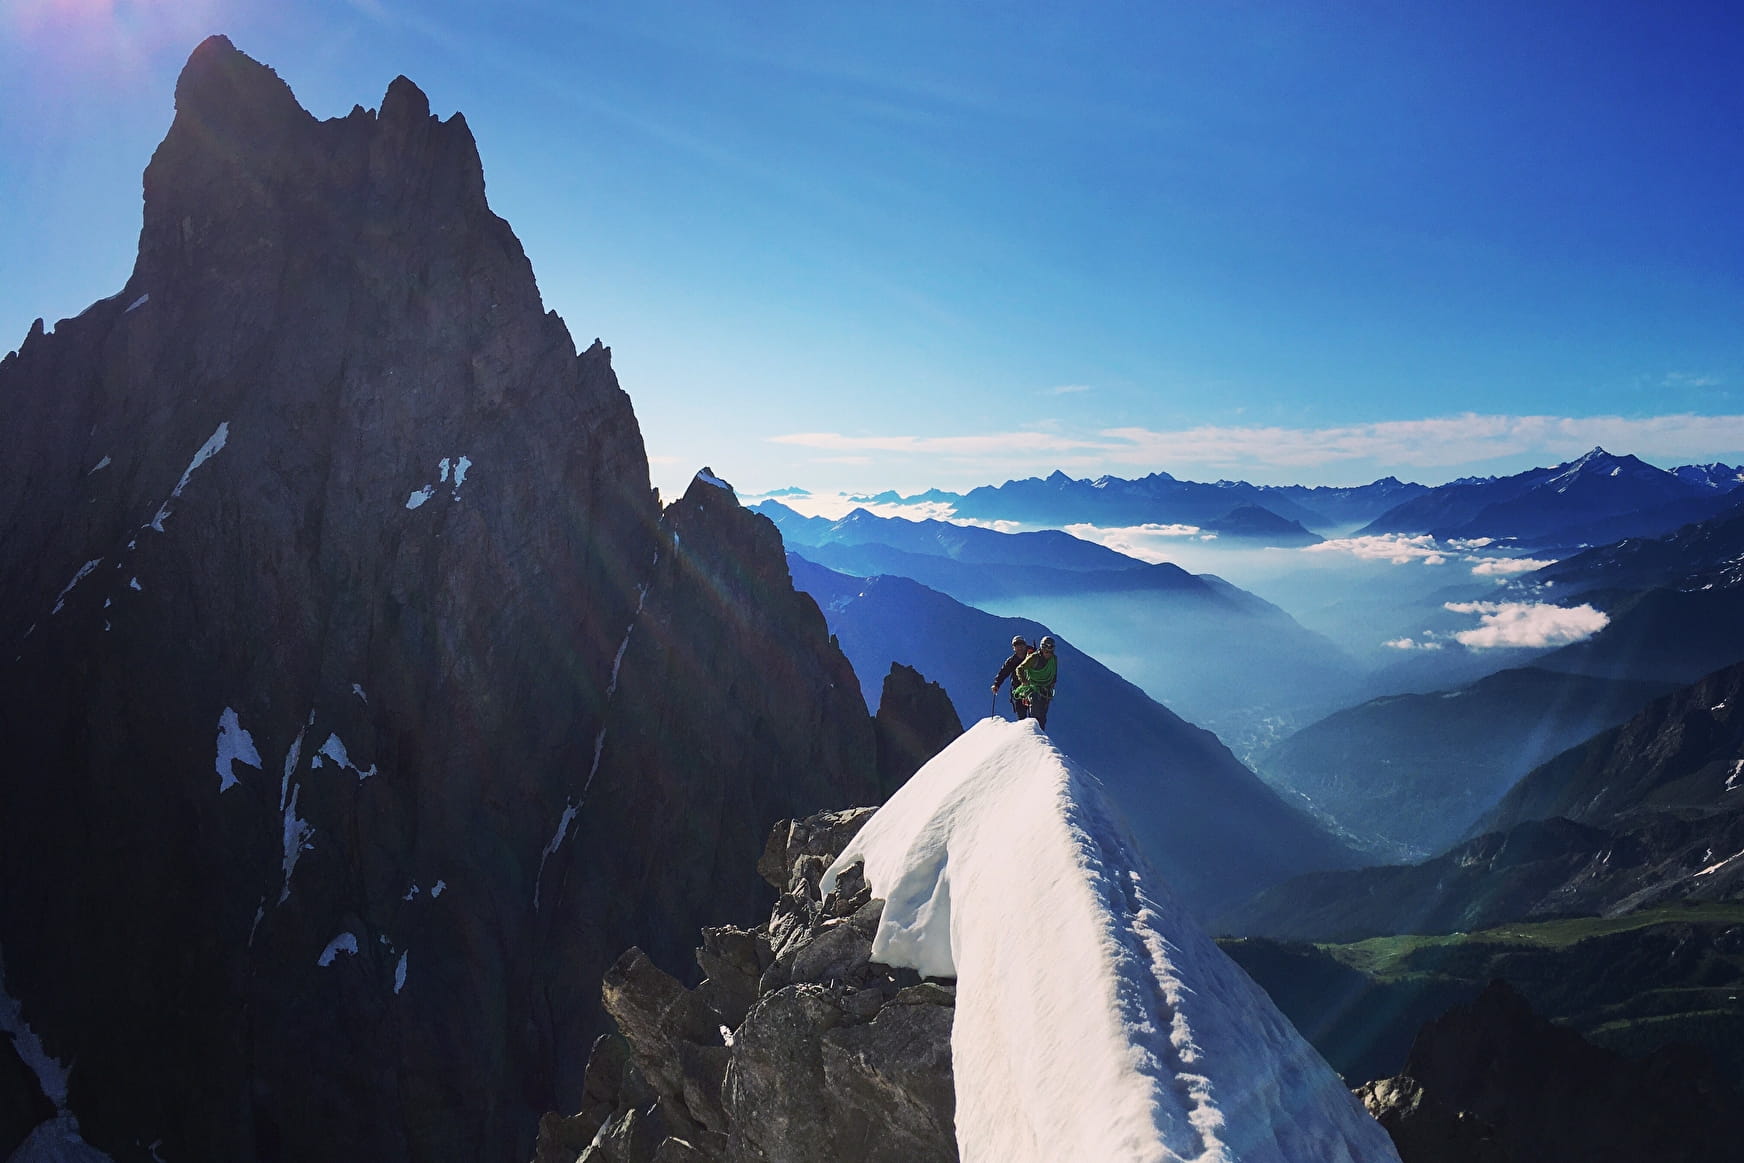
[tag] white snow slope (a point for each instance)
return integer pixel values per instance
(1095, 1020)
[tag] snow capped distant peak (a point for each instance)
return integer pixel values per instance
(707, 476)
(1095, 1020)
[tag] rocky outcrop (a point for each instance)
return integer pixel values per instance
(357, 696)
(795, 1047)
(916, 720)
(1494, 1083)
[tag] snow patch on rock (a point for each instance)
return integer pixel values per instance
(451, 471)
(235, 745)
(295, 830)
(84, 571)
(1094, 1019)
(214, 444)
(344, 943)
(570, 809)
(1715, 867)
(334, 751)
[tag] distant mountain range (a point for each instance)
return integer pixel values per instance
(1214, 829)
(1595, 499)
(1058, 499)
(974, 563)
(1218, 654)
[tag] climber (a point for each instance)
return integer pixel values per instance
(1019, 652)
(1034, 680)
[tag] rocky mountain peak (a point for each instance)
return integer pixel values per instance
(366, 696)
(404, 103)
(245, 175)
(221, 86)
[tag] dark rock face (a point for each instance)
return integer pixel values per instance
(357, 697)
(915, 722)
(795, 1048)
(1493, 1081)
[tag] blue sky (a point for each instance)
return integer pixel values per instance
(871, 246)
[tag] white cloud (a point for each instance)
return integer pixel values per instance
(1403, 549)
(1152, 543)
(1507, 566)
(1398, 548)
(1527, 624)
(1068, 389)
(1411, 644)
(1690, 380)
(837, 505)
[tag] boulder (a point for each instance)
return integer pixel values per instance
(797, 1046)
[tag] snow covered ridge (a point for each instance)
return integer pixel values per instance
(1094, 1019)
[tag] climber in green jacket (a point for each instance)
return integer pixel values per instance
(1035, 677)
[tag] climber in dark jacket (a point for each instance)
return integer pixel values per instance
(1034, 680)
(1019, 652)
